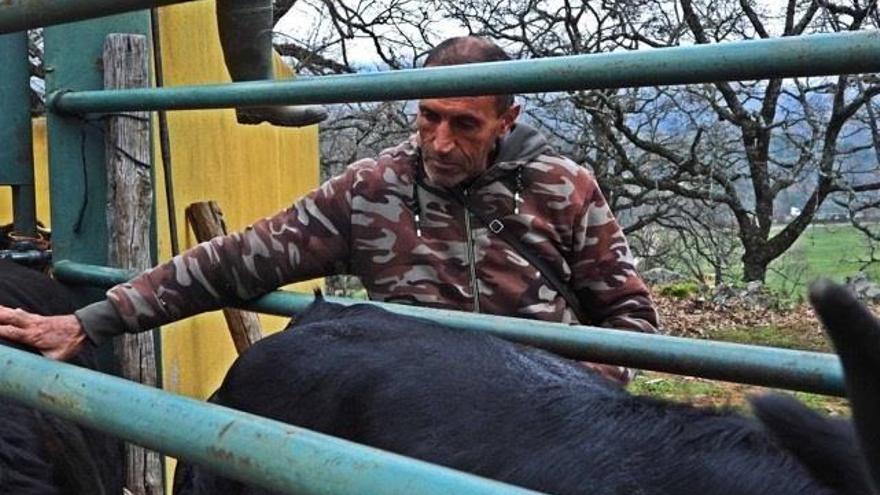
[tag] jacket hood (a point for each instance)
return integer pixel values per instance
(522, 144)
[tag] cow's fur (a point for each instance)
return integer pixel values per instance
(41, 454)
(524, 416)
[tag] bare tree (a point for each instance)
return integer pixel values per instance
(738, 146)
(704, 238)
(741, 145)
(395, 33)
(748, 152)
(38, 73)
(358, 131)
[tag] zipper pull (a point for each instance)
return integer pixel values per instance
(517, 193)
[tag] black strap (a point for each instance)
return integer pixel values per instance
(497, 227)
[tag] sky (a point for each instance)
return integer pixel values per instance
(303, 18)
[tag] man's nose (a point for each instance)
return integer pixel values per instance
(443, 139)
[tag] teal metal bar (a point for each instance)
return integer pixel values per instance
(77, 164)
(767, 366)
(16, 140)
(815, 55)
(24, 209)
(256, 450)
(19, 15)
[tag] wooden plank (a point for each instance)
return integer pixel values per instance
(206, 220)
(129, 210)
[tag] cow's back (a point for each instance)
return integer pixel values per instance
(28, 289)
(40, 453)
(497, 409)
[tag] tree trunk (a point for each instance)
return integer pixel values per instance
(754, 269)
(130, 198)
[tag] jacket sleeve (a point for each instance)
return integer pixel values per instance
(310, 239)
(603, 268)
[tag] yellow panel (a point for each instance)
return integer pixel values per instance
(251, 171)
(41, 181)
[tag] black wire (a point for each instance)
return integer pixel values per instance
(89, 122)
(164, 137)
(121, 114)
(138, 163)
(125, 153)
(82, 209)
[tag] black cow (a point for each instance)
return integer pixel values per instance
(509, 412)
(41, 454)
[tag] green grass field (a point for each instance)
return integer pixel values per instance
(835, 251)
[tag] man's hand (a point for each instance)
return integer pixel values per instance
(57, 337)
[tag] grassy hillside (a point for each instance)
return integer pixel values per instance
(835, 251)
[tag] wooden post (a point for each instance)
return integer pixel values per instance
(129, 209)
(206, 220)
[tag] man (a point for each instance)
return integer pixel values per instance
(398, 222)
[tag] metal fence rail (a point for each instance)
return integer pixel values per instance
(816, 55)
(18, 15)
(256, 450)
(756, 365)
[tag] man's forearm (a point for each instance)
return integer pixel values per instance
(301, 242)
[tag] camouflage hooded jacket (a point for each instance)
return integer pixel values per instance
(413, 244)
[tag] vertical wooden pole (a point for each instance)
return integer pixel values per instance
(206, 220)
(129, 209)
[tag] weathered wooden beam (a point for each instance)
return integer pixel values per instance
(206, 220)
(129, 210)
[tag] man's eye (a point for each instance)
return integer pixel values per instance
(466, 125)
(430, 116)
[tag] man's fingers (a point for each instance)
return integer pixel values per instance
(14, 333)
(13, 317)
(57, 337)
(18, 334)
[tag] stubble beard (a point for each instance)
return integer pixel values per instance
(444, 173)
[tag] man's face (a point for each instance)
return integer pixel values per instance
(458, 135)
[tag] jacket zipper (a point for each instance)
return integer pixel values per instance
(471, 258)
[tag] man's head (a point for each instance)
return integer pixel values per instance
(458, 135)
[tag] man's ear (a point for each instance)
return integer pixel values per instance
(508, 118)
